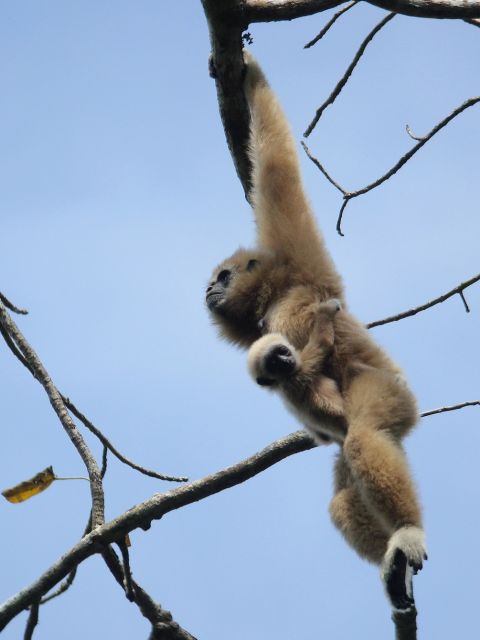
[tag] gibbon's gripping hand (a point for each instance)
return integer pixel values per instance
(404, 558)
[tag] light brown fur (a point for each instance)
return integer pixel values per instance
(375, 500)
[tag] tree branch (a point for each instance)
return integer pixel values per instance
(330, 24)
(349, 195)
(142, 515)
(453, 407)
(226, 22)
(344, 79)
(164, 626)
(41, 374)
(451, 9)
(458, 290)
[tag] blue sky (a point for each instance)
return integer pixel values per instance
(118, 196)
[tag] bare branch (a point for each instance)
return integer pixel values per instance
(349, 195)
(432, 8)
(458, 290)
(158, 505)
(453, 407)
(41, 374)
(414, 137)
(277, 10)
(90, 426)
(344, 79)
(405, 624)
(32, 621)
(473, 21)
(330, 24)
(163, 625)
(405, 158)
(154, 508)
(319, 165)
(106, 443)
(11, 306)
(226, 22)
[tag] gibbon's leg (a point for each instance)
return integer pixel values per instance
(359, 526)
(380, 410)
(285, 223)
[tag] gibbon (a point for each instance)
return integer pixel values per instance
(278, 288)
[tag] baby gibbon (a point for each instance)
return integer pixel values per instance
(314, 397)
(276, 288)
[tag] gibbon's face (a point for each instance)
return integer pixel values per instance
(234, 293)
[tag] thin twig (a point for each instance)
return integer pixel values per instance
(86, 422)
(330, 24)
(127, 572)
(320, 166)
(412, 135)
(458, 290)
(65, 585)
(343, 81)
(106, 443)
(32, 621)
(453, 407)
(11, 306)
(41, 374)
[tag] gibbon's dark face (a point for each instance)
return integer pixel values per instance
(233, 280)
(236, 293)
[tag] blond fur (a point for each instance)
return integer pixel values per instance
(374, 493)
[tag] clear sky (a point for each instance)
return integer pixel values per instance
(118, 196)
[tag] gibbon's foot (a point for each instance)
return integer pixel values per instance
(403, 559)
(398, 582)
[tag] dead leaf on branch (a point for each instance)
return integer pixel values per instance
(28, 488)
(32, 487)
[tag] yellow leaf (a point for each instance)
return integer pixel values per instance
(29, 488)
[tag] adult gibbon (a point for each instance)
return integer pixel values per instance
(277, 289)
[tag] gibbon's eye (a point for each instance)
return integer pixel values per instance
(224, 276)
(282, 351)
(252, 264)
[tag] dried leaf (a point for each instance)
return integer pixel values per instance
(29, 488)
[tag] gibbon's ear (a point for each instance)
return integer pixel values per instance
(252, 264)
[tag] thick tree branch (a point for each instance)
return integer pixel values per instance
(458, 290)
(276, 10)
(226, 22)
(451, 9)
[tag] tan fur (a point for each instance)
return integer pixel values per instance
(374, 494)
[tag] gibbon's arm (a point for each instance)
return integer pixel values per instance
(285, 223)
